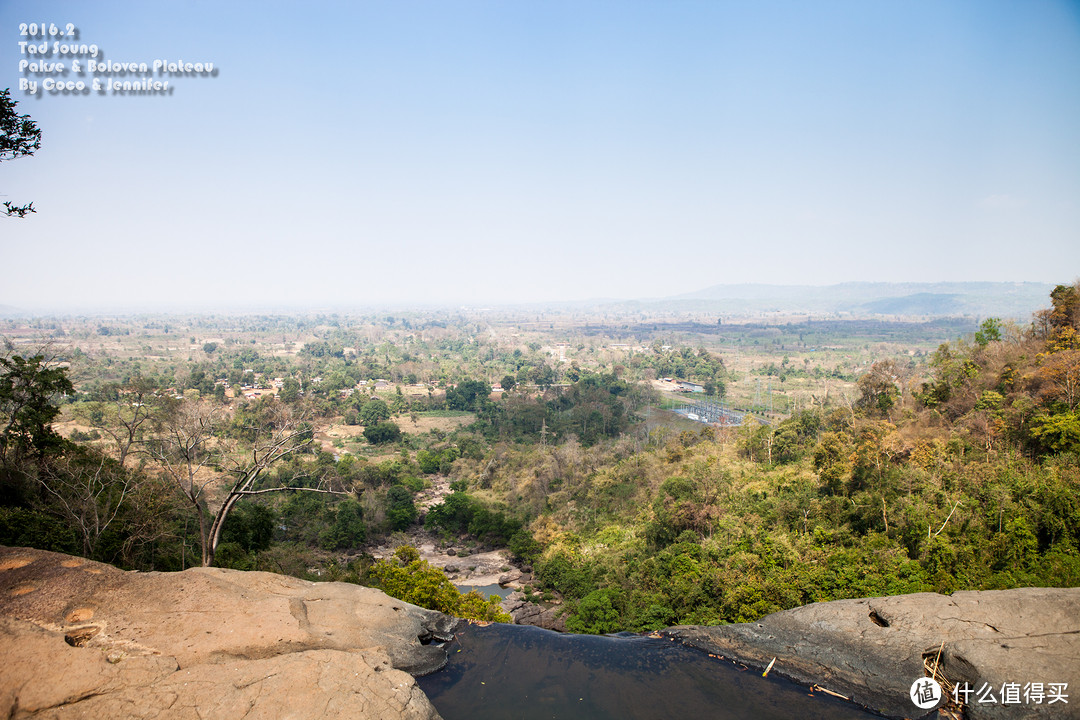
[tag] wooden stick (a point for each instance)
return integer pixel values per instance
(834, 694)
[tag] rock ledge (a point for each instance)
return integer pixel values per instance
(84, 639)
(871, 650)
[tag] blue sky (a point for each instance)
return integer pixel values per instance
(351, 153)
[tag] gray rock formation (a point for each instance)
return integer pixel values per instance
(872, 650)
(83, 639)
(527, 613)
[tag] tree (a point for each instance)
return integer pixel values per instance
(400, 509)
(543, 375)
(755, 440)
(597, 613)
(1061, 323)
(989, 331)
(19, 137)
(214, 468)
(180, 446)
(374, 411)
(407, 577)
(348, 530)
(290, 390)
(27, 389)
(878, 389)
(1058, 378)
(89, 490)
(399, 404)
(785, 443)
(1058, 433)
(383, 432)
(1066, 306)
(132, 411)
(831, 460)
(467, 395)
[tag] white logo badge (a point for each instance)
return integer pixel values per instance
(925, 693)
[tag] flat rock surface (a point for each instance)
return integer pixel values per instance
(871, 650)
(83, 639)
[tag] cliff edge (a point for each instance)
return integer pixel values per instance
(872, 650)
(83, 639)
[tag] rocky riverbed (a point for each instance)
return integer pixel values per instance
(468, 566)
(464, 563)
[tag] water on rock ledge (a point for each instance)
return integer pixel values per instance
(517, 672)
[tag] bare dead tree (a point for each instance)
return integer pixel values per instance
(214, 472)
(180, 447)
(90, 489)
(277, 434)
(949, 517)
(132, 413)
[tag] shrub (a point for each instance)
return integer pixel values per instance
(407, 577)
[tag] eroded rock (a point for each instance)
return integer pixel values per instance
(871, 650)
(527, 613)
(89, 640)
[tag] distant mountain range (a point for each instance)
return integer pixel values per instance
(1012, 300)
(975, 299)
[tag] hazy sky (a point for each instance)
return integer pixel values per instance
(389, 152)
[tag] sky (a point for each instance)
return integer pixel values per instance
(445, 152)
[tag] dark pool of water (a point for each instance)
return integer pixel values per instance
(516, 672)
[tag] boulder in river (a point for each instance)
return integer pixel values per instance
(509, 577)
